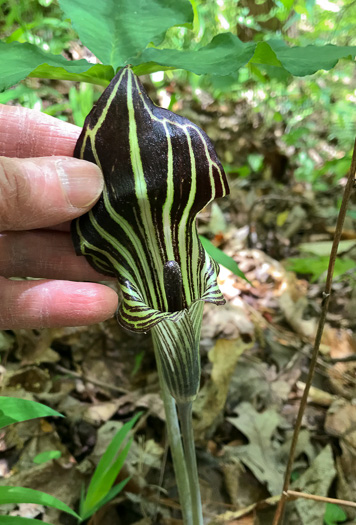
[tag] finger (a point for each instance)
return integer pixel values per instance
(63, 227)
(41, 304)
(28, 133)
(43, 254)
(40, 192)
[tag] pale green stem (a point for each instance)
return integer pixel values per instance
(185, 418)
(175, 443)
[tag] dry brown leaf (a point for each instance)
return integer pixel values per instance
(100, 412)
(229, 516)
(317, 480)
(293, 303)
(212, 397)
(317, 396)
(341, 422)
(338, 343)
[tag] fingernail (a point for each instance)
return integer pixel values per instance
(82, 181)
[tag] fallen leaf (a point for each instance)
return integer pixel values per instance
(316, 480)
(259, 455)
(341, 422)
(324, 247)
(212, 397)
(293, 303)
(228, 516)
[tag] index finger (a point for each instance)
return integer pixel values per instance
(29, 133)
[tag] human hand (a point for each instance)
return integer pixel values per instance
(42, 188)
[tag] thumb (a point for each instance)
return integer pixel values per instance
(44, 191)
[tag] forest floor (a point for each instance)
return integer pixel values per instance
(255, 354)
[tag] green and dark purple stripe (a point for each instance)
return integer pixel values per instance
(160, 171)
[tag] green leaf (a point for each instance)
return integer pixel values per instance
(316, 266)
(116, 30)
(265, 55)
(43, 457)
(150, 67)
(17, 520)
(114, 491)
(224, 55)
(222, 258)
(17, 495)
(98, 74)
(14, 410)
(352, 214)
(17, 61)
(323, 248)
(334, 514)
(301, 61)
(107, 470)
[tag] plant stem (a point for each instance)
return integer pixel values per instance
(185, 418)
(175, 442)
(278, 518)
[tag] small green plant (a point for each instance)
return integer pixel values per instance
(14, 410)
(221, 257)
(100, 490)
(334, 514)
(317, 266)
(48, 455)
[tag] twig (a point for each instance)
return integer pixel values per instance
(347, 359)
(278, 517)
(85, 379)
(293, 494)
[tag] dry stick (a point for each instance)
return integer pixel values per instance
(293, 494)
(326, 298)
(95, 382)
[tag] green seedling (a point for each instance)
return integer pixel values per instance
(101, 489)
(24, 410)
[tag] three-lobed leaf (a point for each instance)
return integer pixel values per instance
(118, 33)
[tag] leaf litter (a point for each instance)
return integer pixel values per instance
(255, 354)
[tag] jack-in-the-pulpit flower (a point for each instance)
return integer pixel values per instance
(160, 170)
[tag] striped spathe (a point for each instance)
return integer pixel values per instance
(160, 170)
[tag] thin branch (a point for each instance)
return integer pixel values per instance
(293, 494)
(86, 379)
(325, 303)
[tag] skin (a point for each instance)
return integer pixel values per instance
(42, 188)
